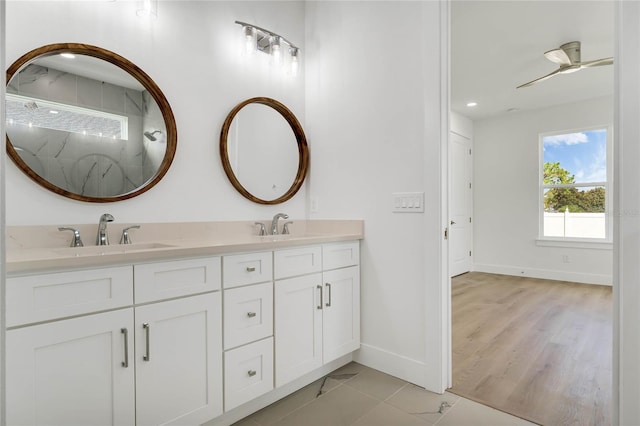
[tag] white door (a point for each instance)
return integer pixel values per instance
(460, 205)
(72, 372)
(179, 361)
(298, 326)
(341, 313)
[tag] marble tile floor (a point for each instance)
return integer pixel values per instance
(355, 395)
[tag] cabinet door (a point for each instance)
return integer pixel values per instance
(341, 312)
(179, 361)
(72, 372)
(298, 326)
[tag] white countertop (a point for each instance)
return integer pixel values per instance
(43, 248)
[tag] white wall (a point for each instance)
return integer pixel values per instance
(461, 125)
(373, 118)
(506, 178)
(191, 51)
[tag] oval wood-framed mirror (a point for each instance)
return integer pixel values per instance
(110, 162)
(264, 150)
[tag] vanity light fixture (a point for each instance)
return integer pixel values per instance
(472, 104)
(280, 49)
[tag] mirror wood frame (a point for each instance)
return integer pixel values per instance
(303, 150)
(135, 72)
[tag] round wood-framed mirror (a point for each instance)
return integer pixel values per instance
(96, 126)
(264, 151)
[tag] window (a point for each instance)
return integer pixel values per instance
(574, 191)
(32, 112)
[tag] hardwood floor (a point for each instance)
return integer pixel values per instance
(537, 349)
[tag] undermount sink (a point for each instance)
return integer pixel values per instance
(114, 249)
(284, 237)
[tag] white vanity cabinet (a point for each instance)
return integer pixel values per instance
(157, 363)
(181, 341)
(317, 313)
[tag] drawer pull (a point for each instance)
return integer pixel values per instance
(146, 327)
(125, 332)
(251, 373)
(251, 314)
(251, 268)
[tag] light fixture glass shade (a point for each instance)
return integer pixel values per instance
(147, 8)
(276, 53)
(250, 42)
(294, 60)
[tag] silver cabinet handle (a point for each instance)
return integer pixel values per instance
(147, 328)
(319, 287)
(251, 268)
(251, 314)
(328, 304)
(125, 332)
(251, 373)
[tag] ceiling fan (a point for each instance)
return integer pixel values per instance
(568, 59)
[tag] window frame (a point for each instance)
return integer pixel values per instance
(580, 242)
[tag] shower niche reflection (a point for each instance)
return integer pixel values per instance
(89, 127)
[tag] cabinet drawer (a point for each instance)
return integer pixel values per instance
(49, 296)
(243, 269)
(157, 281)
(340, 255)
(248, 372)
(298, 261)
(248, 314)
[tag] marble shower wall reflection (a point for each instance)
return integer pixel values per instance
(83, 163)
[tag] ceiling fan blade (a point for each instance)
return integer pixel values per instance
(537, 80)
(597, 63)
(558, 56)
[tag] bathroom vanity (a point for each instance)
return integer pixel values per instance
(205, 325)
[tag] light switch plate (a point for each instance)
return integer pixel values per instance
(408, 202)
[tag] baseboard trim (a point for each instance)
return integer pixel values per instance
(399, 366)
(547, 274)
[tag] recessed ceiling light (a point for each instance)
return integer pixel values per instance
(472, 104)
(68, 55)
(53, 111)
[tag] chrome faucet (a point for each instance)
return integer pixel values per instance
(102, 239)
(76, 241)
(274, 222)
